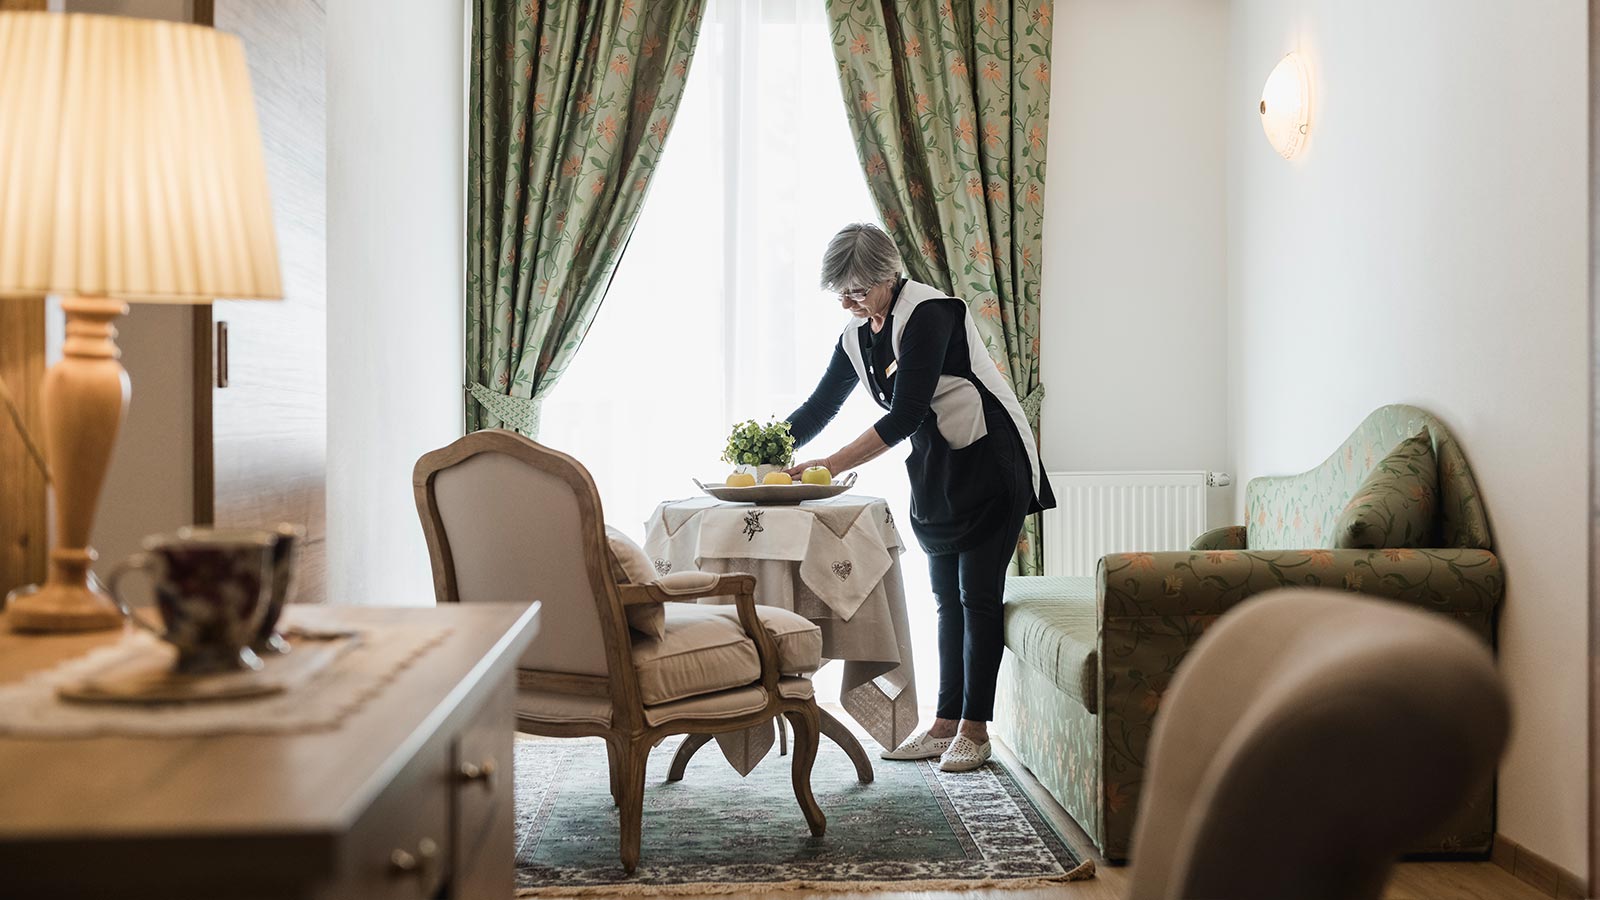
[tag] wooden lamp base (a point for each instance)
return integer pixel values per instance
(84, 397)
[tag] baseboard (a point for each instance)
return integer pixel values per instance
(1536, 871)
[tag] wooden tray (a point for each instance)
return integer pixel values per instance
(149, 678)
(778, 494)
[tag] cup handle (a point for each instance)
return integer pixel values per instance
(136, 562)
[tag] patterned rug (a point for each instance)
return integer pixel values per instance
(913, 828)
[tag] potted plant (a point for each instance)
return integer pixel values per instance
(760, 449)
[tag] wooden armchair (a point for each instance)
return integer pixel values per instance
(506, 519)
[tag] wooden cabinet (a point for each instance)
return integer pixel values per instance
(485, 812)
(410, 798)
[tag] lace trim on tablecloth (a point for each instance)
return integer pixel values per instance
(31, 709)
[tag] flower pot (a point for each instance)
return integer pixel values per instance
(761, 472)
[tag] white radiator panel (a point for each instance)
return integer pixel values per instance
(1116, 512)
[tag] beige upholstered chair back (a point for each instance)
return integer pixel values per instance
(1306, 741)
(511, 520)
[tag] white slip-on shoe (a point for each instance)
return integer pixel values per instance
(919, 746)
(964, 755)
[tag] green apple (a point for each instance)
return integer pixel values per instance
(817, 475)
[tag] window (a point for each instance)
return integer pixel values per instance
(715, 315)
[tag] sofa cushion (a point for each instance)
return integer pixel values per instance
(1052, 626)
(1298, 512)
(630, 565)
(700, 652)
(1394, 507)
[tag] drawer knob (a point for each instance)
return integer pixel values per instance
(421, 862)
(483, 772)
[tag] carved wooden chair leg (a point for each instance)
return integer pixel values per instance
(783, 737)
(807, 735)
(631, 806)
(614, 763)
(685, 752)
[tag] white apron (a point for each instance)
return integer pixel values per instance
(957, 405)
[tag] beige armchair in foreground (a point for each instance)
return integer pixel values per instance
(1308, 739)
(508, 519)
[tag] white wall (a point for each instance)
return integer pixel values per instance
(395, 274)
(1133, 324)
(1429, 247)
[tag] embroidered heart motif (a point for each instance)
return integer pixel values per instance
(663, 567)
(842, 569)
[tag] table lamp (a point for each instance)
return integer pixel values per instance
(130, 171)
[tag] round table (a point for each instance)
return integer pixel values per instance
(836, 562)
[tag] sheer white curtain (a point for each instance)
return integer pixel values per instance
(715, 315)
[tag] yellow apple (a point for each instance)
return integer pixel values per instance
(817, 475)
(777, 478)
(741, 479)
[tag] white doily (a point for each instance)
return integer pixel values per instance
(31, 709)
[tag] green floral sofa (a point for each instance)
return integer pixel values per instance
(1091, 658)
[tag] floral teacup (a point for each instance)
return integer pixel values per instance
(212, 587)
(286, 540)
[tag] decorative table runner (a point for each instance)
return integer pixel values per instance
(31, 708)
(836, 562)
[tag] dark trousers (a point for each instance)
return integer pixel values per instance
(968, 587)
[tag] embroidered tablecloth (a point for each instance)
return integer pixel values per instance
(836, 562)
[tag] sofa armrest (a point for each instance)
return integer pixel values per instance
(681, 587)
(1153, 607)
(1228, 537)
(1466, 583)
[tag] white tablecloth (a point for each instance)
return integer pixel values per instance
(836, 562)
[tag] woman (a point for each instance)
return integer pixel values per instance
(974, 466)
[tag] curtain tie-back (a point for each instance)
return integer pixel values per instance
(1032, 403)
(518, 413)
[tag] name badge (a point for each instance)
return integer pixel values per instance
(889, 372)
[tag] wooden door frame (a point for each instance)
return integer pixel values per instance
(204, 355)
(24, 502)
(1594, 446)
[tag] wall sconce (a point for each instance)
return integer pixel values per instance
(1286, 106)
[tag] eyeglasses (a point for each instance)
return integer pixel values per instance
(854, 295)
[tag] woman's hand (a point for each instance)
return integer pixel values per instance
(864, 449)
(797, 471)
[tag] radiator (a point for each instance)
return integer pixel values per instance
(1115, 512)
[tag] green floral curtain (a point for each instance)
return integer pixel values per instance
(571, 102)
(949, 103)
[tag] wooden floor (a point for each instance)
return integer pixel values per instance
(1412, 881)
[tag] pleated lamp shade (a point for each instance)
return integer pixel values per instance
(130, 162)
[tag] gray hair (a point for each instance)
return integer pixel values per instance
(859, 256)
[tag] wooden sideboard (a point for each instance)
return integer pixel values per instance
(410, 798)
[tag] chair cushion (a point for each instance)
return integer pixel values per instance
(799, 639)
(549, 708)
(630, 565)
(1394, 506)
(1053, 627)
(721, 705)
(700, 652)
(796, 688)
